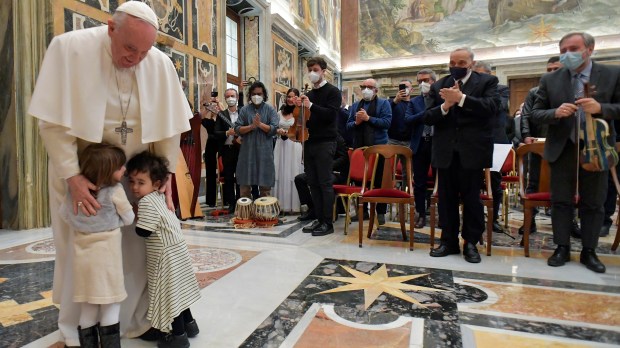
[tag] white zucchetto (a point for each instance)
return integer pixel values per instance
(140, 10)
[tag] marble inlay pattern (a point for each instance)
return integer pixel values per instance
(562, 313)
(26, 309)
(211, 260)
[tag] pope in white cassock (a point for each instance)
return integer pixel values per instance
(106, 84)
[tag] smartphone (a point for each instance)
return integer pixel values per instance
(402, 87)
(213, 94)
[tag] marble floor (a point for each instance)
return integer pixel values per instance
(279, 287)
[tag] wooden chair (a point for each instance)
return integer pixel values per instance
(510, 183)
(486, 196)
(350, 191)
(387, 193)
(542, 198)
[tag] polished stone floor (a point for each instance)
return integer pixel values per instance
(279, 287)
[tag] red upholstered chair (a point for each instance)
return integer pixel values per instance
(510, 183)
(350, 191)
(387, 193)
(486, 196)
(542, 198)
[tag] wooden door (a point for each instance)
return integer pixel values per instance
(519, 89)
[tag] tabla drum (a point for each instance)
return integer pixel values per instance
(243, 209)
(266, 209)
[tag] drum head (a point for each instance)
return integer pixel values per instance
(266, 201)
(244, 201)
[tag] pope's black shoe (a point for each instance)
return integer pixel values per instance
(604, 230)
(444, 250)
(323, 229)
(470, 253)
(307, 216)
(311, 227)
(560, 256)
(588, 257)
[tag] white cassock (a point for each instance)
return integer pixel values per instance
(78, 101)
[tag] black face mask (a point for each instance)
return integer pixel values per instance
(458, 73)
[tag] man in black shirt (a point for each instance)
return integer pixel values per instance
(324, 103)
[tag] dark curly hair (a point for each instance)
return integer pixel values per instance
(145, 162)
(255, 85)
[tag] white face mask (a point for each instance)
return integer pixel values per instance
(407, 91)
(367, 94)
(231, 101)
(257, 99)
(314, 77)
(425, 87)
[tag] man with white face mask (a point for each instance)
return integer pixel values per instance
(257, 124)
(561, 103)
(421, 142)
(399, 134)
(224, 132)
(370, 119)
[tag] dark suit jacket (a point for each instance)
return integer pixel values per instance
(220, 128)
(529, 128)
(467, 130)
(556, 88)
(414, 115)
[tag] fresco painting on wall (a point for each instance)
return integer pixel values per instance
(171, 17)
(323, 18)
(206, 81)
(336, 9)
(76, 21)
(397, 28)
(250, 44)
(103, 5)
(205, 27)
(283, 63)
(179, 60)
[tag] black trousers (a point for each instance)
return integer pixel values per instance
(421, 163)
(305, 197)
(318, 164)
(458, 184)
(230, 155)
(210, 157)
(533, 170)
(498, 193)
(610, 201)
(592, 194)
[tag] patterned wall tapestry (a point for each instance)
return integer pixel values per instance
(191, 48)
(319, 18)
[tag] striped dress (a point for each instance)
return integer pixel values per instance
(171, 281)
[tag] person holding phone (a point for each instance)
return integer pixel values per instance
(208, 113)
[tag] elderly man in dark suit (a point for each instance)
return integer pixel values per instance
(462, 112)
(560, 104)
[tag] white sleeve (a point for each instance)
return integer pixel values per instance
(169, 148)
(61, 148)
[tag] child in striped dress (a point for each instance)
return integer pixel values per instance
(172, 285)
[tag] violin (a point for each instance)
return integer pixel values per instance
(298, 131)
(597, 154)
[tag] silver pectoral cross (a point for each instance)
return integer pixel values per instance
(123, 130)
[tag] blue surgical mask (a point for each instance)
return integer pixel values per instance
(572, 60)
(458, 73)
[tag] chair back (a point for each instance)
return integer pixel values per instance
(509, 164)
(356, 166)
(523, 151)
(390, 154)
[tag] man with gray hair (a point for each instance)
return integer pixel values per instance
(463, 105)
(131, 97)
(421, 142)
(561, 102)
